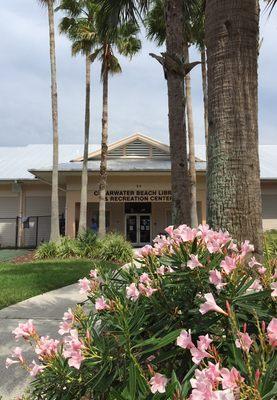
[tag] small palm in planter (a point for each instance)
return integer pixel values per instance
(192, 320)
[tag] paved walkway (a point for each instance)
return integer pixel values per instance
(46, 310)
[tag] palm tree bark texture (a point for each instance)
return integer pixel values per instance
(104, 148)
(55, 230)
(233, 176)
(180, 181)
(84, 186)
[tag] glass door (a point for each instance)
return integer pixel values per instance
(144, 229)
(132, 229)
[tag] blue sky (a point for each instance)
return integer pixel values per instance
(138, 97)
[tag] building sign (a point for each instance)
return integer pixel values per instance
(134, 196)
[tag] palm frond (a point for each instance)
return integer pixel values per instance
(271, 4)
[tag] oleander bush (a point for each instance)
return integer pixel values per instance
(192, 318)
(113, 247)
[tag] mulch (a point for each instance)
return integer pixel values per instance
(26, 258)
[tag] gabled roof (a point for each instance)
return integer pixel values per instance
(128, 140)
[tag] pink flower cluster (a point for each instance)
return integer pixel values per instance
(67, 322)
(198, 352)
(25, 331)
(215, 383)
(46, 347)
(87, 286)
(144, 288)
(73, 349)
(158, 383)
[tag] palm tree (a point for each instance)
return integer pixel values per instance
(124, 41)
(234, 193)
(156, 29)
(79, 26)
(55, 229)
(173, 63)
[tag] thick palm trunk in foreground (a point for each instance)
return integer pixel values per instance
(180, 182)
(55, 229)
(104, 149)
(192, 169)
(234, 193)
(84, 187)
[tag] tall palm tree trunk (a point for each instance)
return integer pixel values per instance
(104, 150)
(192, 168)
(55, 229)
(84, 187)
(180, 182)
(234, 192)
(205, 93)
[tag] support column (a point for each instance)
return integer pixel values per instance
(70, 228)
(21, 214)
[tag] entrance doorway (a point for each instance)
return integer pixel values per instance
(138, 228)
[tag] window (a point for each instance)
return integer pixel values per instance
(137, 208)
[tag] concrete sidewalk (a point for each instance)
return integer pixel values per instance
(47, 311)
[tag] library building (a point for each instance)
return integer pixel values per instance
(138, 201)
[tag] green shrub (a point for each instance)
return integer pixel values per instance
(68, 248)
(47, 250)
(114, 247)
(87, 244)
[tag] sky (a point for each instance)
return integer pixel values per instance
(138, 96)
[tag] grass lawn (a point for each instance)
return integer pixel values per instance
(22, 281)
(9, 254)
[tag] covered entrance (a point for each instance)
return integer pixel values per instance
(138, 223)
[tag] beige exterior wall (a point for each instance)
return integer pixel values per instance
(35, 200)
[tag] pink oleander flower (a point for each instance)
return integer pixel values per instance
(68, 315)
(246, 248)
(65, 327)
(161, 270)
(84, 285)
(216, 279)
(10, 361)
(93, 273)
(16, 357)
(101, 304)
(203, 231)
(233, 246)
(184, 340)
(261, 270)
(73, 349)
(273, 286)
(145, 251)
(35, 369)
(25, 330)
(198, 355)
(144, 278)
(213, 246)
(146, 290)
(272, 332)
(213, 372)
(203, 342)
(228, 264)
(132, 292)
(255, 287)
(194, 262)
(210, 305)
(244, 341)
(170, 230)
(230, 379)
(46, 347)
(158, 383)
(253, 262)
(184, 233)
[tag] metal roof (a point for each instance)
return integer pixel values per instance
(16, 161)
